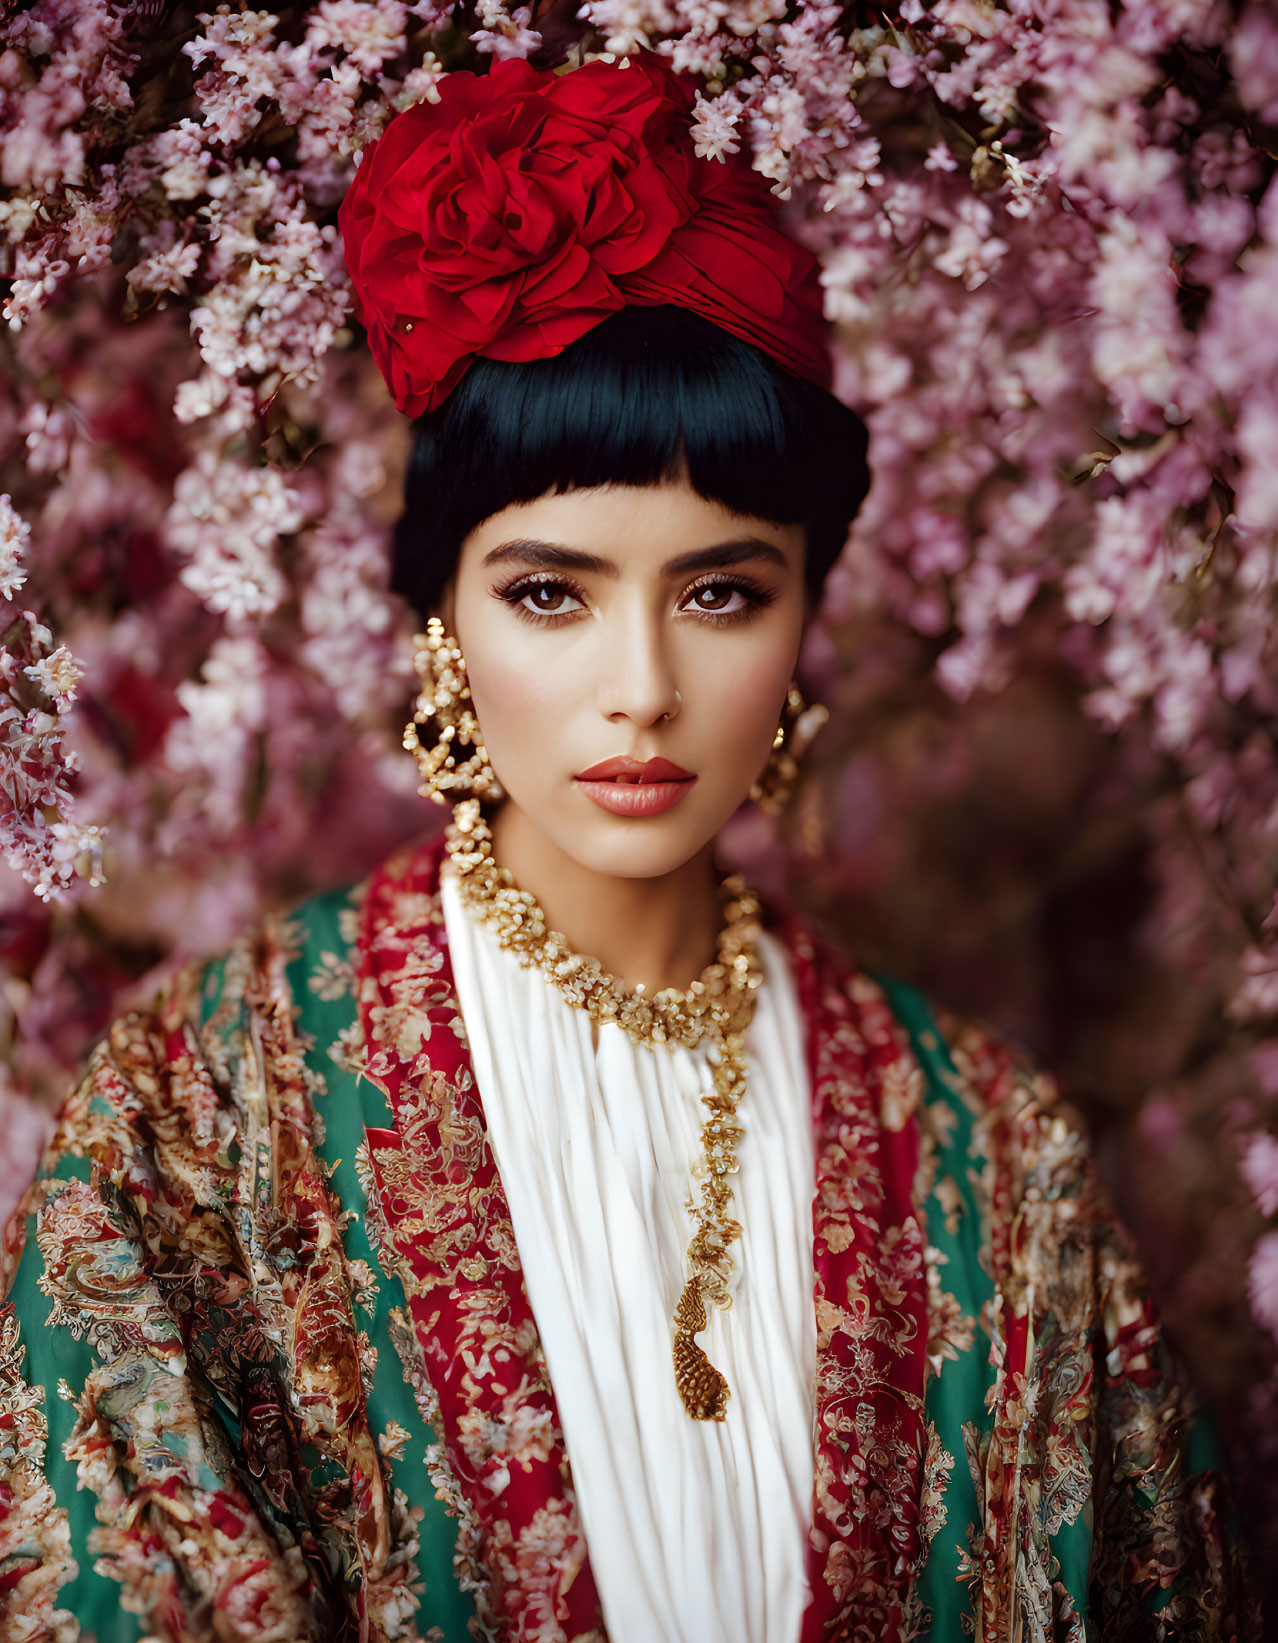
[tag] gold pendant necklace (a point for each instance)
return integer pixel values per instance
(717, 1007)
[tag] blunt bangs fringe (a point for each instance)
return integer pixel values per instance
(644, 396)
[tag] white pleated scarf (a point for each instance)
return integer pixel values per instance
(697, 1530)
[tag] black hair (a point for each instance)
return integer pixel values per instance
(646, 392)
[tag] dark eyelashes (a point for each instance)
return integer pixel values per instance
(513, 593)
(735, 584)
(757, 598)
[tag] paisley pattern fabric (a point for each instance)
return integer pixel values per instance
(268, 1370)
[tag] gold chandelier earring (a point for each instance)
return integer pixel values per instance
(444, 710)
(799, 725)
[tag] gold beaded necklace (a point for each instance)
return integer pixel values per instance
(718, 1007)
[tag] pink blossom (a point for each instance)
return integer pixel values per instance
(420, 84)
(166, 270)
(76, 53)
(1260, 1169)
(56, 676)
(226, 521)
(974, 251)
(629, 24)
(14, 534)
(715, 131)
(1262, 1281)
(1258, 488)
(38, 681)
(1257, 997)
(183, 162)
(1253, 55)
(504, 34)
(368, 34)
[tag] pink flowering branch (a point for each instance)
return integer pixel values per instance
(1049, 239)
(39, 683)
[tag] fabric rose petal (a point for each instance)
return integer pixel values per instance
(510, 217)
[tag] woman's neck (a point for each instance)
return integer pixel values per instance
(655, 932)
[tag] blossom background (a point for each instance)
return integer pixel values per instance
(1049, 790)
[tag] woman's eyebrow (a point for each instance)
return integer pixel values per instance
(554, 556)
(742, 551)
(549, 556)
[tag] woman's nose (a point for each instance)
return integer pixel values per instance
(637, 677)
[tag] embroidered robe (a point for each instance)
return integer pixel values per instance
(268, 1370)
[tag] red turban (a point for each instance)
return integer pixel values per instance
(508, 218)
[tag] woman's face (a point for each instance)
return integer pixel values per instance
(620, 626)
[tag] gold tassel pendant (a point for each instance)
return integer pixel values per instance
(703, 1389)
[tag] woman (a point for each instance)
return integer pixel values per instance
(377, 1281)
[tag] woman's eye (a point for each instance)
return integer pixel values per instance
(716, 599)
(549, 599)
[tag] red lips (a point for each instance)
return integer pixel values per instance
(630, 770)
(627, 787)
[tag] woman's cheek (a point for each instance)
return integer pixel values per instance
(743, 721)
(521, 714)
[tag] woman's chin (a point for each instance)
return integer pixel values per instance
(600, 840)
(638, 847)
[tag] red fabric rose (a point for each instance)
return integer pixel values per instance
(525, 206)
